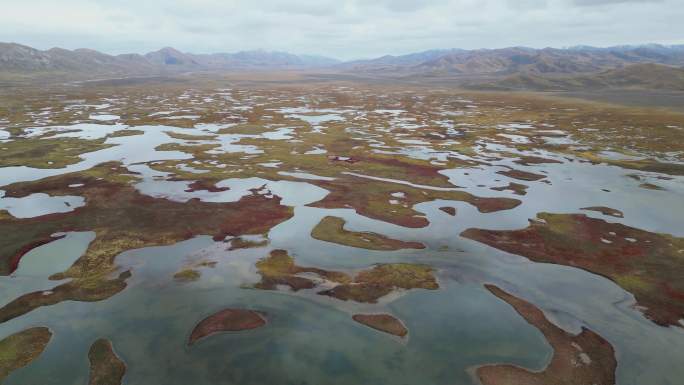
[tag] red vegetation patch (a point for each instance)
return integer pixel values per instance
(586, 358)
(124, 219)
(532, 160)
(491, 205)
(382, 322)
(521, 175)
(412, 171)
(227, 320)
(642, 262)
(205, 185)
(516, 188)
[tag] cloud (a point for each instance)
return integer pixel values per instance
(340, 28)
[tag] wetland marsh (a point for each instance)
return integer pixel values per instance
(237, 232)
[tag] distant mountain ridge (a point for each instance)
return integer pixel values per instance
(411, 59)
(20, 58)
(649, 66)
(636, 76)
(522, 60)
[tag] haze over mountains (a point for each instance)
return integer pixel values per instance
(645, 66)
(527, 60)
(19, 58)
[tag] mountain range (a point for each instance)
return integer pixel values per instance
(22, 59)
(523, 60)
(645, 66)
(649, 76)
(652, 66)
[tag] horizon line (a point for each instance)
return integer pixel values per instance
(586, 46)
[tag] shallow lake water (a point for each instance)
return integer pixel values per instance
(312, 339)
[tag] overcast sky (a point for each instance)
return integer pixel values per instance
(343, 29)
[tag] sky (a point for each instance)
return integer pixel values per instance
(344, 29)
